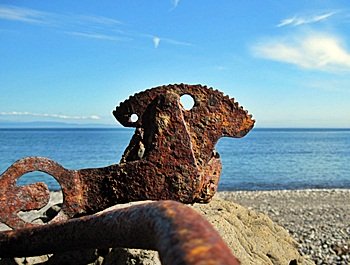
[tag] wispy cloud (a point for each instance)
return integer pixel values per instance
(97, 36)
(22, 14)
(45, 115)
(176, 42)
(301, 20)
(156, 41)
(313, 51)
(88, 26)
(28, 15)
(99, 20)
(84, 26)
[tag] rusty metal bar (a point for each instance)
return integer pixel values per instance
(177, 232)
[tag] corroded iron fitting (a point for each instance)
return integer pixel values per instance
(171, 156)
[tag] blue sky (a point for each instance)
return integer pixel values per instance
(287, 62)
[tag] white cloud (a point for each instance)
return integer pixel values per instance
(22, 14)
(45, 115)
(97, 36)
(314, 51)
(176, 42)
(79, 25)
(85, 26)
(299, 20)
(99, 20)
(156, 41)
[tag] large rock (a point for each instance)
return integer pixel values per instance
(252, 236)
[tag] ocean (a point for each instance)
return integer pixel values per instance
(266, 159)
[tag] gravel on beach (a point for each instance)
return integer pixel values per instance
(318, 219)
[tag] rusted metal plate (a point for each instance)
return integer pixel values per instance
(177, 232)
(171, 156)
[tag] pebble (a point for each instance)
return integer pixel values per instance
(319, 220)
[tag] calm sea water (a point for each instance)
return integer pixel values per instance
(265, 159)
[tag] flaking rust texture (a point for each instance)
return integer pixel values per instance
(171, 156)
(165, 226)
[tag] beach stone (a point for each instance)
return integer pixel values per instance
(253, 237)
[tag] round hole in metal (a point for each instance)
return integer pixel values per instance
(187, 101)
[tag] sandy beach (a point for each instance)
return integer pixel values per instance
(319, 220)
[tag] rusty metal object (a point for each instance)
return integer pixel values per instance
(177, 232)
(171, 156)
